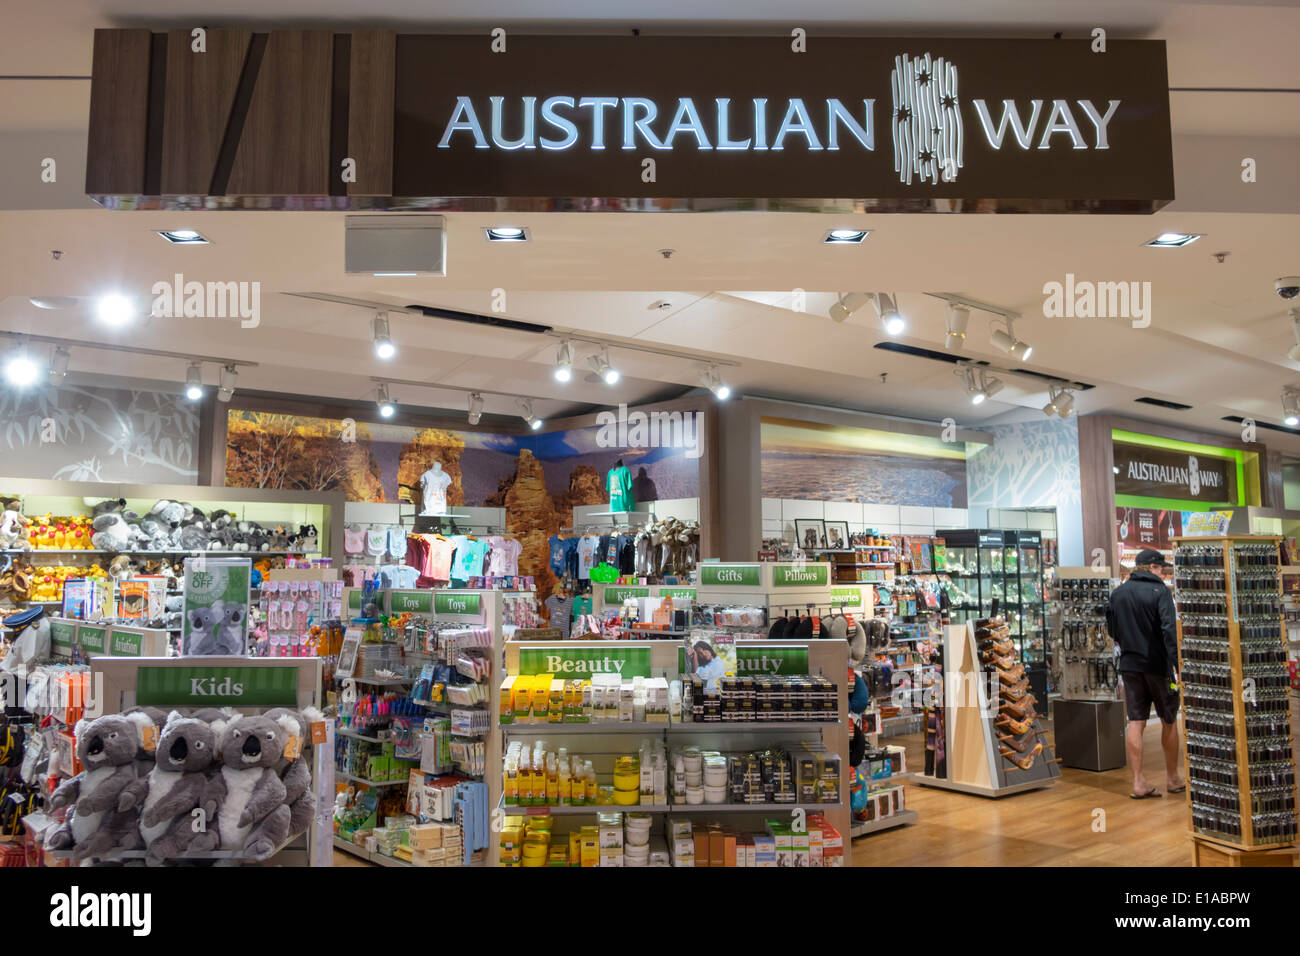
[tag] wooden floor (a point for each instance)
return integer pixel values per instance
(1053, 827)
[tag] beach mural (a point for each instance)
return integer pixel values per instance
(815, 462)
(538, 479)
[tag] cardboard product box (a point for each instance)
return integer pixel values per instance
(815, 848)
(611, 856)
(717, 848)
(701, 848)
(683, 847)
(764, 850)
(784, 842)
(507, 700)
(590, 849)
(799, 849)
(729, 855)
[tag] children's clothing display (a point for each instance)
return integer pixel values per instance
(588, 548)
(561, 613)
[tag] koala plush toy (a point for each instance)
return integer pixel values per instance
(248, 794)
(107, 747)
(295, 771)
(176, 787)
(111, 532)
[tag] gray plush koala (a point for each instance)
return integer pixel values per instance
(202, 639)
(231, 633)
(247, 794)
(174, 788)
(107, 748)
(296, 772)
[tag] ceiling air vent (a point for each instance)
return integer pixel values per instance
(1176, 406)
(1258, 424)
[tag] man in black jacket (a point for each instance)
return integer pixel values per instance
(1141, 621)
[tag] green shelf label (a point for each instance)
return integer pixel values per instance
(63, 634)
(771, 660)
(354, 600)
(688, 593)
(847, 597)
(457, 603)
(92, 639)
(617, 595)
(127, 645)
(800, 575)
(416, 602)
(729, 575)
(234, 686)
(579, 662)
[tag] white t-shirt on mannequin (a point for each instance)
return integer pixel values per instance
(433, 488)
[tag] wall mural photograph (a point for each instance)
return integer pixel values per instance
(814, 462)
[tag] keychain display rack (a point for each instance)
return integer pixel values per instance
(1083, 647)
(1240, 744)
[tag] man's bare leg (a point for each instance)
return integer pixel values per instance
(1169, 743)
(1133, 744)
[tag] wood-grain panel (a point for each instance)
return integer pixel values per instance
(119, 113)
(1097, 488)
(284, 146)
(370, 111)
(200, 93)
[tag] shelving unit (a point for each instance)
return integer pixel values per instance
(1239, 748)
(601, 741)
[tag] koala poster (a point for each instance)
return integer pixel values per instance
(216, 607)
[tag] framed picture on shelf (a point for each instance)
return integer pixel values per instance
(837, 535)
(810, 533)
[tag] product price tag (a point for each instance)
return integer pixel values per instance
(318, 732)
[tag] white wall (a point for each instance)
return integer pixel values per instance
(779, 515)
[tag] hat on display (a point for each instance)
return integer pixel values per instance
(1150, 556)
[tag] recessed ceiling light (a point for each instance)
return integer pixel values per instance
(1173, 240)
(846, 237)
(506, 234)
(183, 237)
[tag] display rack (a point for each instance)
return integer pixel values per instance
(601, 741)
(1081, 648)
(974, 762)
(254, 685)
(1239, 746)
(470, 607)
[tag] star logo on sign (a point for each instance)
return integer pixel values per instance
(927, 156)
(949, 101)
(905, 114)
(923, 78)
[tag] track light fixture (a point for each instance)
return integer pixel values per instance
(475, 407)
(890, 318)
(1060, 401)
(1052, 395)
(564, 362)
(989, 385)
(1294, 354)
(384, 347)
(194, 381)
(846, 305)
(1005, 339)
(385, 404)
(226, 386)
(1291, 406)
(601, 365)
(713, 382)
(59, 366)
(958, 318)
(977, 396)
(526, 413)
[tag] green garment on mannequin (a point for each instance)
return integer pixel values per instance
(619, 481)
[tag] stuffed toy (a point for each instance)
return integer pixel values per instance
(31, 641)
(307, 536)
(174, 788)
(107, 748)
(14, 535)
(192, 535)
(247, 793)
(278, 539)
(295, 769)
(120, 568)
(111, 532)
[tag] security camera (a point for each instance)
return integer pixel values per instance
(1288, 287)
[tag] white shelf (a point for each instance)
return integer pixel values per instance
(751, 807)
(357, 735)
(373, 783)
(901, 818)
(751, 726)
(514, 809)
(590, 727)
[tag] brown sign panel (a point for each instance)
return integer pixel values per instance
(1164, 473)
(907, 124)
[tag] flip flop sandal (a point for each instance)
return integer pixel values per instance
(1145, 796)
(1025, 762)
(1182, 789)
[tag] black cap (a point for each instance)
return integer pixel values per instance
(1150, 556)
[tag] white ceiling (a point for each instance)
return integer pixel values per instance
(1218, 339)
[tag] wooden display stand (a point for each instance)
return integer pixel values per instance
(1210, 849)
(974, 762)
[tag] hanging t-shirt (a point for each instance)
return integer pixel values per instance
(441, 550)
(398, 576)
(433, 489)
(571, 557)
(557, 554)
(377, 542)
(503, 561)
(469, 560)
(619, 481)
(588, 548)
(396, 542)
(561, 613)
